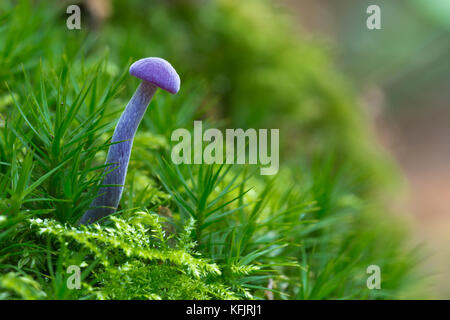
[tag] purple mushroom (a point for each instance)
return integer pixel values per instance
(154, 72)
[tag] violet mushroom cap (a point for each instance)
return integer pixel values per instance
(155, 72)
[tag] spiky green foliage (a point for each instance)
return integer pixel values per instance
(14, 286)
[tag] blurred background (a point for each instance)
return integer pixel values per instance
(402, 76)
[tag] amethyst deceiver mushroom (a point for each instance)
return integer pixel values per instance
(154, 73)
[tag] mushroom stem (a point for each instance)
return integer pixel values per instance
(110, 193)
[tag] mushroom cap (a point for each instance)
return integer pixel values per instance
(157, 71)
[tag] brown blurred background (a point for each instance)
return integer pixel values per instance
(402, 73)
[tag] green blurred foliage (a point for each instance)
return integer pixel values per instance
(407, 58)
(264, 73)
